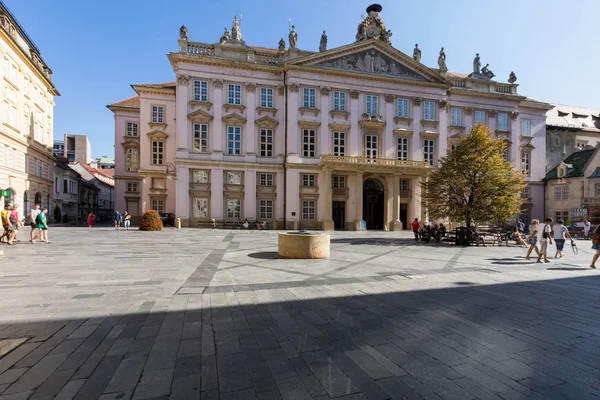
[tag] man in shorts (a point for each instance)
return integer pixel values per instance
(4, 216)
(117, 218)
(544, 237)
(35, 211)
(42, 226)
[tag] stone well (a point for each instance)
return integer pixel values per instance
(303, 245)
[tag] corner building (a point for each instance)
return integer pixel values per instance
(335, 139)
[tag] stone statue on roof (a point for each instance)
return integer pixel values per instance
(417, 53)
(372, 26)
(442, 61)
(476, 64)
(236, 32)
(183, 32)
(485, 71)
(512, 78)
(226, 36)
(281, 45)
(293, 38)
(323, 43)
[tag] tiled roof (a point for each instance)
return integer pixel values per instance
(577, 160)
(564, 116)
(456, 75)
(133, 102)
(108, 172)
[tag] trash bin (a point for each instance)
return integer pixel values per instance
(463, 236)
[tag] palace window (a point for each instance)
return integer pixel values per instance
(308, 180)
(429, 151)
(402, 108)
(234, 140)
(266, 142)
(526, 162)
(13, 74)
(480, 117)
(404, 185)
(234, 208)
(309, 97)
(429, 110)
(502, 121)
(158, 147)
(200, 138)
(158, 205)
(526, 193)
(562, 215)
(308, 209)
(339, 181)
(158, 114)
(561, 192)
(234, 177)
(266, 179)
(132, 129)
(234, 94)
(199, 176)
(266, 97)
(309, 143)
(339, 101)
(339, 143)
(200, 207)
(371, 104)
(201, 91)
(371, 146)
(265, 209)
(526, 127)
(402, 147)
(132, 187)
(456, 116)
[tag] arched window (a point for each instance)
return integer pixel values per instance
(38, 198)
(132, 160)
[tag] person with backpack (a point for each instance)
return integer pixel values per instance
(42, 225)
(596, 246)
(4, 216)
(35, 211)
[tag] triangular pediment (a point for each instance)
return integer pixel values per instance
(234, 119)
(158, 135)
(372, 57)
(266, 122)
(200, 116)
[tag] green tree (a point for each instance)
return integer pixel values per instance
(474, 182)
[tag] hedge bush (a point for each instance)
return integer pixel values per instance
(151, 221)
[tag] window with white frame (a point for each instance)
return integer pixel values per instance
(309, 143)
(200, 207)
(132, 129)
(480, 117)
(507, 153)
(308, 209)
(266, 142)
(562, 215)
(339, 101)
(526, 193)
(429, 151)
(201, 91)
(525, 127)
(308, 180)
(266, 97)
(235, 177)
(402, 108)
(339, 143)
(561, 192)
(403, 185)
(158, 114)
(371, 104)
(13, 73)
(234, 208)
(266, 179)
(132, 187)
(132, 160)
(158, 205)
(199, 176)
(456, 117)
(310, 96)
(402, 148)
(234, 140)
(158, 147)
(502, 121)
(597, 186)
(234, 94)
(429, 111)
(338, 181)
(371, 146)
(200, 138)
(526, 162)
(265, 209)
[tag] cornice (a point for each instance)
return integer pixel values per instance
(123, 109)
(176, 58)
(229, 164)
(153, 90)
(486, 95)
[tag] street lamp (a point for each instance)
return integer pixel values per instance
(171, 170)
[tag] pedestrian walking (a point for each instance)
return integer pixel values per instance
(118, 218)
(4, 216)
(35, 211)
(596, 246)
(13, 224)
(560, 234)
(533, 238)
(587, 225)
(42, 224)
(545, 238)
(91, 219)
(415, 228)
(126, 220)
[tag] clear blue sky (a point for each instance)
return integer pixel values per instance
(96, 49)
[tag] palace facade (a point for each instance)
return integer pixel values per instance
(26, 119)
(336, 139)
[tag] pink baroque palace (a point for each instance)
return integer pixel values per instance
(332, 139)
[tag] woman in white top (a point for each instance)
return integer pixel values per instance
(560, 234)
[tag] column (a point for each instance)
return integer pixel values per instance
(396, 223)
(325, 146)
(183, 133)
(293, 129)
(515, 132)
(328, 224)
(216, 194)
(250, 210)
(354, 148)
(415, 204)
(182, 200)
(415, 141)
(388, 148)
(359, 200)
(250, 131)
(216, 135)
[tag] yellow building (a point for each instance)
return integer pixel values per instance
(26, 118)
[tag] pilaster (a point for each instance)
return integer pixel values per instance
(328, 224)
(359, 200)
(355, 133)
(182, 204)
(396, 223)
(218, 129)
(183, 131)
(250, 131)
(389, 149)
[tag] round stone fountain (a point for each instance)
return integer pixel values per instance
(303, 244)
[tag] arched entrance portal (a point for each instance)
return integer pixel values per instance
(373, 203)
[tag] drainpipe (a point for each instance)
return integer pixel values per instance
(285, 91)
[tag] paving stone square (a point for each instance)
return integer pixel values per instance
(216, 314)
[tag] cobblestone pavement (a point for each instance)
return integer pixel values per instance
(189, 314)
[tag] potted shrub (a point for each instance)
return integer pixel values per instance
(151, 221)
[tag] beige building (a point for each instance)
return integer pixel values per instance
(26, 118)
(75, 148)
(573, 187)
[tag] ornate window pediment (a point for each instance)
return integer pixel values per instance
(266, 122)
(157, 135)
(234, 119)
(200, 116)
(131, 142)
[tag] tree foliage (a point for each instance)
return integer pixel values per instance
(151, 221)
(474, 182)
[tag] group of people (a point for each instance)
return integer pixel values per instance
(428, 231)
(37, 220)
(124, 219)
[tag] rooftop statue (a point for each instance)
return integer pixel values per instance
(442, 61)
(512, 78)
(183, 32)
(323, 43)
(372, 26)
(417, 53)
(236, 33)
(281, 45)
(293, 38)
(485, 71)
(226, 36)
(476, 64)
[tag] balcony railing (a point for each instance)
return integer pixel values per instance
(201, 49)
(502, 88)
(209, 50)
(372, 161)
(458, 82)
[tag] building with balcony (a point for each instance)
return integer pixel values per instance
(26, 122)
(104, 204)
(336, 139)
(66, 191)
